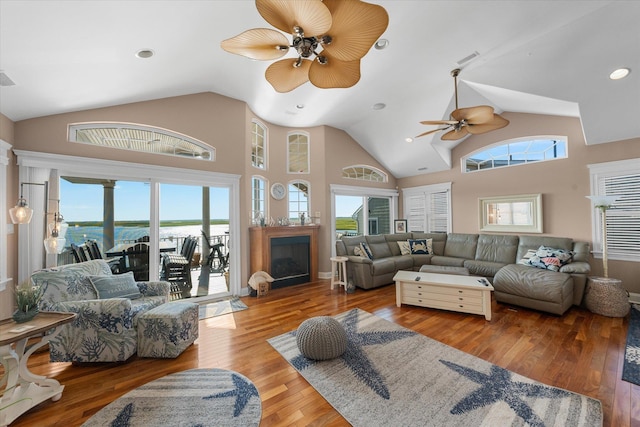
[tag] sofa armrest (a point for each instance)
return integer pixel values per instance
(359, 260)
(576, 267)
(153, 289)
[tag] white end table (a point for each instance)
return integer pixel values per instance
(23, 389)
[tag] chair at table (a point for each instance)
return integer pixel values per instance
(176, 269)
(116, 264)
(137, 257)
(79, 253)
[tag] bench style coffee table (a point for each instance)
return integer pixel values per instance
(466, 294)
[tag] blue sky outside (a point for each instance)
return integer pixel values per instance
(84, 202)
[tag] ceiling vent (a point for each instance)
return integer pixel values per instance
(468, 58)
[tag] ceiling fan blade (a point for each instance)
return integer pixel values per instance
(498, 122)
(258, 43)
(335, 73)
(284, 76)
(311, 15)
(432, 131)
(474, 115)
(439, 122)
(356, 27)
(453, 135)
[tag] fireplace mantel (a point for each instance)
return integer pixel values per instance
(260, 245)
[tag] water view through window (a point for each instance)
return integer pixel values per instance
(116, 215)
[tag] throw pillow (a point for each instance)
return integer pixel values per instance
(421, 246)
(404, 247)
(365, 248)
(549, 258)
(358, 252)
(116, 286)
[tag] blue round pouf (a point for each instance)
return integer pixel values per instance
(321, 338)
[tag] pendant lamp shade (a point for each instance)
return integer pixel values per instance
(21, 213)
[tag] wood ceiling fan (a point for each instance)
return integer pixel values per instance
(465, 121)
(345, 30)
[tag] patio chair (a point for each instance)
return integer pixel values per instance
(79, 253)
(115, 264)
(176, 269)
(137, 259)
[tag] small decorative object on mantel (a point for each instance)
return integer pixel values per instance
(27, 297)
(302, 218)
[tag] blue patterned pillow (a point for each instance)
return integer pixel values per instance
(548, 258)
(366, 249)
(420, 246)
(116, 286)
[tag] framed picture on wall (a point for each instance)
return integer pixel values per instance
(400, 225)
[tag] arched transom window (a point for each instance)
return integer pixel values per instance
(136, 137)
(516, 152)
(298, 152)
(364, 173)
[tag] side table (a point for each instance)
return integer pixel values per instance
(23, 389)
(607, 297)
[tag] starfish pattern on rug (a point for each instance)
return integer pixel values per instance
(123, 419)
(498, 386)
(355, 357)
(243, 391)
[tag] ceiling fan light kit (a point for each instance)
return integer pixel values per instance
(345, 30)
(466, 121)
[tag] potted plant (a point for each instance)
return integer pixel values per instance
(28, 295)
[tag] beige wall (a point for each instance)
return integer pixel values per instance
(224, 124)
(9, 190)
(563, 183)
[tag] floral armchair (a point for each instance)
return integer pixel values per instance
(107, 305)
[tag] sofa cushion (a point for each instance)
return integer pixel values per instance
(461, 245)
(497, 248)
(447, 260)
(379, 246)
(483, 268)
(394, 241)
(534, 283)
(116, 286)
(403, 262)
(383, 266)
(351, 243)
(69, 282)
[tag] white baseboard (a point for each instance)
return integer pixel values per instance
(634, 298)
(324, 275)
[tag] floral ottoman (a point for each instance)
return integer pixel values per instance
(167, 330)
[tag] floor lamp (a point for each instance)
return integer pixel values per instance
(603, 203)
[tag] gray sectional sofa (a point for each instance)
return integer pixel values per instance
(488, 255)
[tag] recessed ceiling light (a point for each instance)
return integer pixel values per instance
(379, 106)
(424, 168)
(620, 73)
(408, 139)
(300, 106)
(144, 53)
(381, 44)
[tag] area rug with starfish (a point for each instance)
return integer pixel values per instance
(219, 308)
(197, 397)
(631, 367)
(390, 375)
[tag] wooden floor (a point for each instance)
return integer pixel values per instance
(579, 351)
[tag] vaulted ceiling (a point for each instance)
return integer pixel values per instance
(546, 57)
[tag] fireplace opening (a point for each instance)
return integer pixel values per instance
(290, 261)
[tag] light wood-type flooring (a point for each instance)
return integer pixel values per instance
(580, 351)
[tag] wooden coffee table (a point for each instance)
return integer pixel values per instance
(23, 389)
(467, 294)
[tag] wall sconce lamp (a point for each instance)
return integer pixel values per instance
(54, 244)
(21, 213)
(603, 203)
